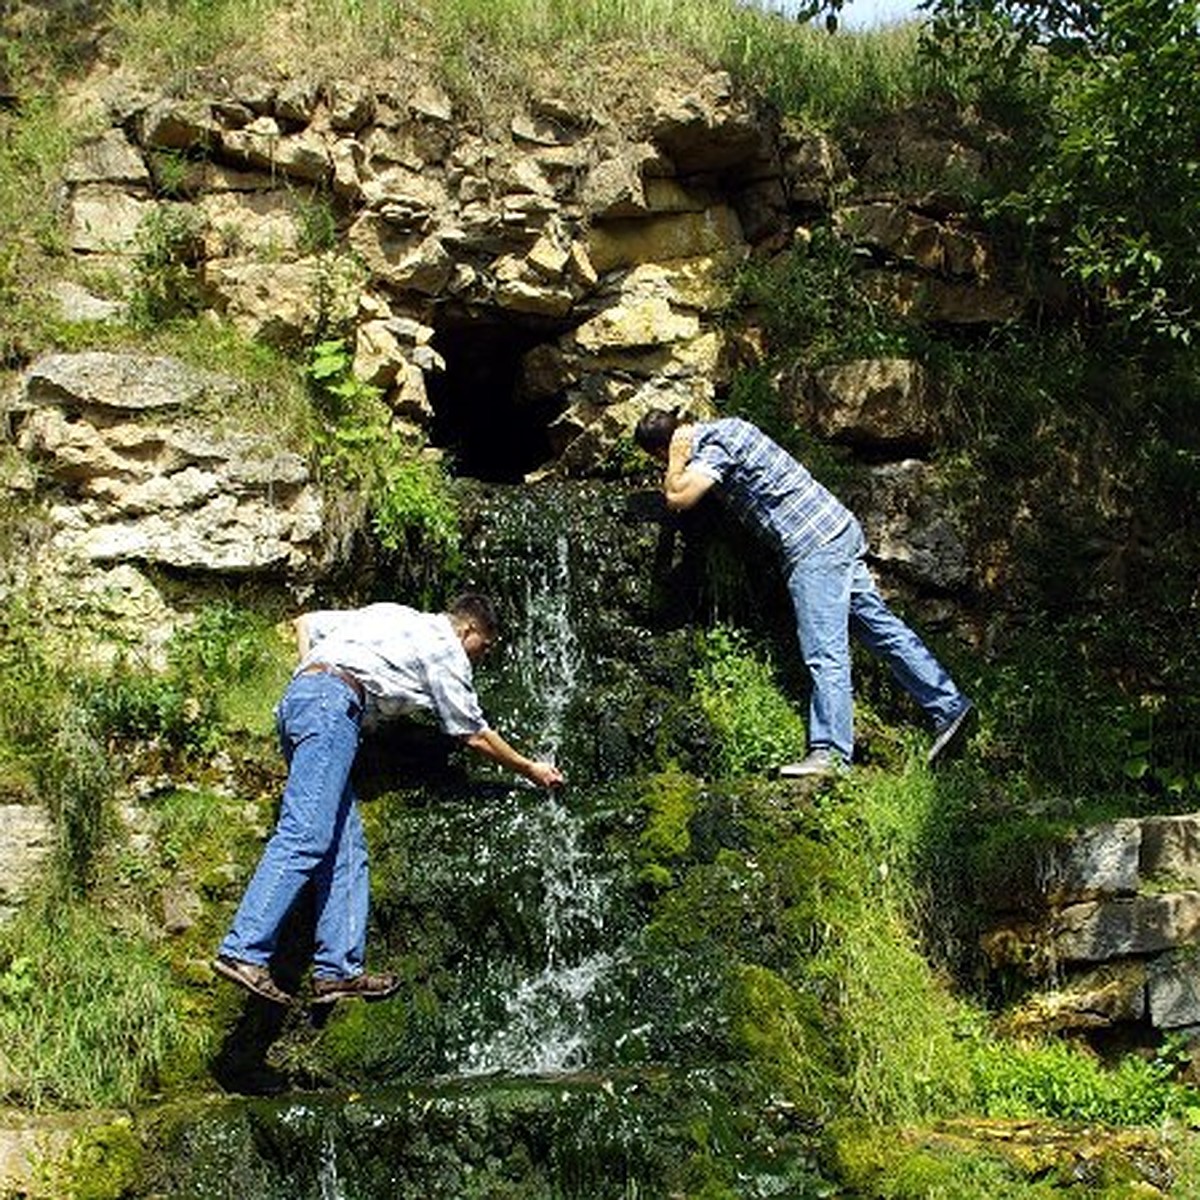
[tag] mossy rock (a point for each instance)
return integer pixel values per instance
(1022, 1159)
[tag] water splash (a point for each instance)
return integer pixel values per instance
(544, 1027)
(547, 654)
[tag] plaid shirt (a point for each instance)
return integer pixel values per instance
(767, 487)
(405, 659)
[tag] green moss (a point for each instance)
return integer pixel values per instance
(786, 1034)
(670, 799)
(100, 1162)
(1023, 1161)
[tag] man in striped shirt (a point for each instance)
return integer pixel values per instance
(380, 660)
(823, 550)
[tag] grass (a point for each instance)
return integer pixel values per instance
(89, 1018)
(487, 51)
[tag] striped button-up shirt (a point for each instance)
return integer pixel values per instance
(767, 487)
(405, 660)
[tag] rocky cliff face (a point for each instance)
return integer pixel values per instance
(521, 293)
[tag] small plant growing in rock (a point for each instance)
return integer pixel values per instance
(412, 513)
(165, 286)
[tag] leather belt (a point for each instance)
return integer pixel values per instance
(349, 680)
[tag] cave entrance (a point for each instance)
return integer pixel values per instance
(481, 418)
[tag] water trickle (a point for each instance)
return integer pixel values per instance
(532, 558)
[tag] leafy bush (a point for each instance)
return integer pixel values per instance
(755, 725)
(1060, 1081)
(811, 304)
(412, 512)
(1114, 181)
(165, 284)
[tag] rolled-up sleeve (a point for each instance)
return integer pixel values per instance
(454, 700)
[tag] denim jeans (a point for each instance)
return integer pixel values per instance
(834, 595)
(318, 836)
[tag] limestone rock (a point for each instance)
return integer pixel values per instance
(812, 166)
(1094, 999)
(619, 244)
(1173, 991)
(76, 303)
(909, 528)
(109, 158)
(1170, 851)
(263, 224)
(281, 303)
(105, 219)
(26, 842)
(120, 382)
(404, 261)
(873, 403)
(351, 105)
(711, 128)
(178, 125)
(943, 301)
(167, 490)
(914, 238)
(1108, 929)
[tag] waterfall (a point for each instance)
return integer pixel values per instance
(543, 1027)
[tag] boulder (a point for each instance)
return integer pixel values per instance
(710, 128)
(1117, 928)
(872, 404)
(909, 527)
(108, 158)
(105, 219)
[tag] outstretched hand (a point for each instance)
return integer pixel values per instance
(545, 774)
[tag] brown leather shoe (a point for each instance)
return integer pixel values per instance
(365, 987)
(253, 978)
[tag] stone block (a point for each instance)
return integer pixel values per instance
(628, 243)
(1091, 999)
(1173, 991)
(1093, 932)
(1170, 850)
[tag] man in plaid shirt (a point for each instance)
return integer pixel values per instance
(823, 552)
(380, 660)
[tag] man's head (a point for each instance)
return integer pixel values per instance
(474, 619)
(654, 430)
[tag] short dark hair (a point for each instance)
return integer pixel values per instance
(654, 430)
(474, 609)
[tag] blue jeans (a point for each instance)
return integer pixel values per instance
(318, 836)
(833, 594)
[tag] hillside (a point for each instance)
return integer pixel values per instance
(311, 304)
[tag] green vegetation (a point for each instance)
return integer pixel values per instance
(1113, 180)
(832, 920)
(411, 508)
(165, 286)
(90, 1018)
(489, 49)
(755, 726)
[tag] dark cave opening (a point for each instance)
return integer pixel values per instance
(489, 428)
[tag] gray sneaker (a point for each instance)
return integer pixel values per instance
(948, 739)
(819, 762)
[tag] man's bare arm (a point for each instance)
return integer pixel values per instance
(491, 745)
(683, 487)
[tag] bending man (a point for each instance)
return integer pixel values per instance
(822, 548)
(385, 657)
